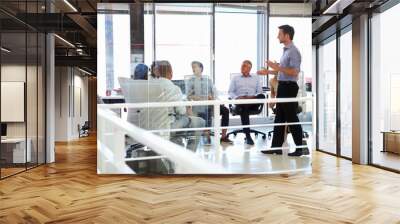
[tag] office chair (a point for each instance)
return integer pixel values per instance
(234, 112)
(181, 84)
(84, 130)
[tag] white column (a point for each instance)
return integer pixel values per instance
(360, 90)
(50, 99)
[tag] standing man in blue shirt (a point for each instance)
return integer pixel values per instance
(288, 71)
(246, 86)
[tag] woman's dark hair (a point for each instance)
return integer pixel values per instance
(164, 68)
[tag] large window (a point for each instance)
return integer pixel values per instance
(346, 94)
(183, 35)
(233, 28)
(385, 84)
(221, 37)
(114, 55)
(302, 40)
(327, 97)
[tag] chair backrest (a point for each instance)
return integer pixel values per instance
(143, 91)
(181, 84)
(188, 82)
(86, 125)
(232, 75)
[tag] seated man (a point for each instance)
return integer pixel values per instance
(246, 86)
(182, 118)
(202, 88)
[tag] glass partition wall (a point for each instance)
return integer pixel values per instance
(346, 93)
(22, 77)
(334, 94)
(150, 54)
(385, 89)
(327, 93)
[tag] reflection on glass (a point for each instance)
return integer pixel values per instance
(327, 97)
(175, 36)
(385, 86)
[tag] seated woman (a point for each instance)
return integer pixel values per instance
(200, 87)
(183, 118)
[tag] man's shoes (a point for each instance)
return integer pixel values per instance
(277, 151)
(300, 152)
(226, 140)
(249, 141)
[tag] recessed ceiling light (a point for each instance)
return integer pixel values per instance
(338, 6)
(64, 40)
(84, 71)
(70, 5)
(5, 50)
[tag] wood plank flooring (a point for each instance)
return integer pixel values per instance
(70, 191)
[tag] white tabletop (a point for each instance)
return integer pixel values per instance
(13, 140)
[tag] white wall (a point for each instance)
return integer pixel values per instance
(16, 73)
(33, 126)
(71, 102)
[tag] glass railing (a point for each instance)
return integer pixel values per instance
(143, 144)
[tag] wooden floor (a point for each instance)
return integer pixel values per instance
(69, 191)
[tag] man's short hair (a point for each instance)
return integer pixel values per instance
(286, 29)
(199, 64)
(248, 62)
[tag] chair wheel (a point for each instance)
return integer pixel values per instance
(264, 137)
(256, 134)
(234, 134)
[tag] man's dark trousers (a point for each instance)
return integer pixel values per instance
(244, 111)
(287, 112)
